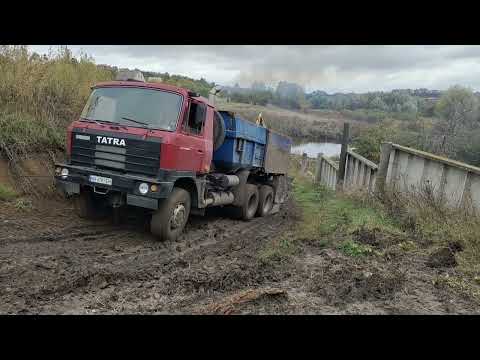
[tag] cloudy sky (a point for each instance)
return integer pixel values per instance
(342, 68)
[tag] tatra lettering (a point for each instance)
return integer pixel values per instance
(110, 141)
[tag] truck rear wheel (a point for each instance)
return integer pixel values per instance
(265, 202)
(169, 220)
(87, 206)
(249, 208)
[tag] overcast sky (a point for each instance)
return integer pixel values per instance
(330, 68)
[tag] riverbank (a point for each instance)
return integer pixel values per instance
(312, 149)
(316, 127)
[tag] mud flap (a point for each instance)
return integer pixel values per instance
(240, 190)
(275, 209)
(68, 188)
(281, 189)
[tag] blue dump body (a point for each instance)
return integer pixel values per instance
(246, 146)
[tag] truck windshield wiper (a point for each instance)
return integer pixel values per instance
(136, 121)
(103, 121)
(97, 121)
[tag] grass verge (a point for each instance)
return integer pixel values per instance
(329, 220)
(23, 132)
(434, 224)
(6, 193)
(351, 248)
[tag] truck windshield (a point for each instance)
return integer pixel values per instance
(134, 107)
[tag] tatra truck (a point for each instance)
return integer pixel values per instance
(170, 151)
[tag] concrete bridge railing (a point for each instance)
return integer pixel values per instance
(408, 170)
(360, 173)
(401, 169)
(326, 172)
(405, 170)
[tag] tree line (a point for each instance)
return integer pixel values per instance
(293, 96)
(454, 131)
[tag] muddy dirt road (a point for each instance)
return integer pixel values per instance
(54, 263)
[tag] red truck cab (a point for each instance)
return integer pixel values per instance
(186, 141)
(133, 144)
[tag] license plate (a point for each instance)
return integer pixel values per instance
(100, 180)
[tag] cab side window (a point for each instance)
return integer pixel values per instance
(196, 118)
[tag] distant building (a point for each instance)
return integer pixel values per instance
(108, 67)
(154, 79)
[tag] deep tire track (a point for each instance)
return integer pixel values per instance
(79, 265)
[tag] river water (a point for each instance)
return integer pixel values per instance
(313, 149)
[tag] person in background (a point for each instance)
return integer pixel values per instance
(260, 121)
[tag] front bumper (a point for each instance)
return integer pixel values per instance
(78, 176)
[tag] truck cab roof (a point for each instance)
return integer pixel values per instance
(154, 85)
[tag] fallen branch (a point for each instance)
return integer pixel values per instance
(227, 307)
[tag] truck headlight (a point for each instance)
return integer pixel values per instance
(64, 173)
(143, 188)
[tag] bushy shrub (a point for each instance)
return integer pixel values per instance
(41, 95)
(369, 142)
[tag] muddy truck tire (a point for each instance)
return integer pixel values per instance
(265, 200)
(169, 220)
(249, 208)
(87, 206)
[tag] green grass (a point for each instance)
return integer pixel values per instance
(6, 193)
(407, 246)
(328, 219)
(460, 285)
(455, 229)
(23, 204)
(325, 213)
(278, 249)
(351, 248)
(21, 130)
(435, 224)
(40, 96)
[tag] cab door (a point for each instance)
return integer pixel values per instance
(191, 139)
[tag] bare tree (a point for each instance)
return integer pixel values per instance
(458, 109)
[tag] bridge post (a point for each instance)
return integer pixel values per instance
(383, 168)
(304, 163)
(343, 156)
(318, 169)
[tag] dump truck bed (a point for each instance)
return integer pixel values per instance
(247, 145)
(277, 154)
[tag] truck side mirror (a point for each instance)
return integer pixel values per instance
(199, 116)
(195, 117)
(198, 119)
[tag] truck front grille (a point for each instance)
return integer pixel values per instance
(110, 156)
(137, 156)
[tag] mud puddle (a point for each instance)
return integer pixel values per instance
(51, 262)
